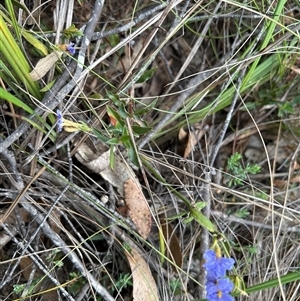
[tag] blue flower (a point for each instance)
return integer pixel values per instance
(60, 121)
(71, 48)
(216, 265)
(219, 290)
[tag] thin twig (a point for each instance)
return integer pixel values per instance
(231, 218)
(139, 18)
(56, 239)
(189, 89)
(216, 148)
(38, 262)
(61, 89)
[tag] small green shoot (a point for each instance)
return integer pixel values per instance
(77, 283)
(19, 288)
(124, 281)
(237, 172)
(127, 247)
(175, 286)
(242, 213)
(194, 213)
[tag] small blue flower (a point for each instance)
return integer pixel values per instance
(219, 290)
(216, 266)
(60, 121)
(71, 48)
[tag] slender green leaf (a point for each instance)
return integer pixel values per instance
(202, 219)
(14, 100)
(35, 42)
(146, 76)
(140, 130)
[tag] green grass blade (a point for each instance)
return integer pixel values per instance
(14, 100)
(16, 59)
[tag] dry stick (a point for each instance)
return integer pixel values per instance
(191, 86)
(51, 104)
(20, 186)
(154, 53)
(10, 157)
(189, 89)
(38, 262)
(147, 41)
(100, 35)
(55, 238)
(176, 21)
(205, 195)
(195, 48)
(216, 148)
(206, 185)
(139, 18)
(61, 89)
(232, 218)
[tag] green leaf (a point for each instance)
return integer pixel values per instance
(72, 31)
(188, 219)
(114, 114)
(122, 111)
(141, 130)
(13, 19)
(111, 158)
(132, 155)
(114, 40)
(96, 96)
(114, 98)
(173, 217)
(202, 219)
(18, 288)
(200, 205)
(7, 71)
(35, 42)
(147, 75)
(124, 139)
(12, 99)
(145, 109)
(289, 277)
(100, 136)
(48, 86)
(18, 4)
(285, 108)
(112, 141)
(16, 59)
(34, 124)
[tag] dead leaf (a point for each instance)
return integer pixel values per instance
(280, 184)
(54, 221)
(189, 140)
(144, 286)
(295, 179)
(182, 135)
(101, 164)
(295, 69)
(296, 165)
(138, 207)
(173, 250)
(45, 64)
